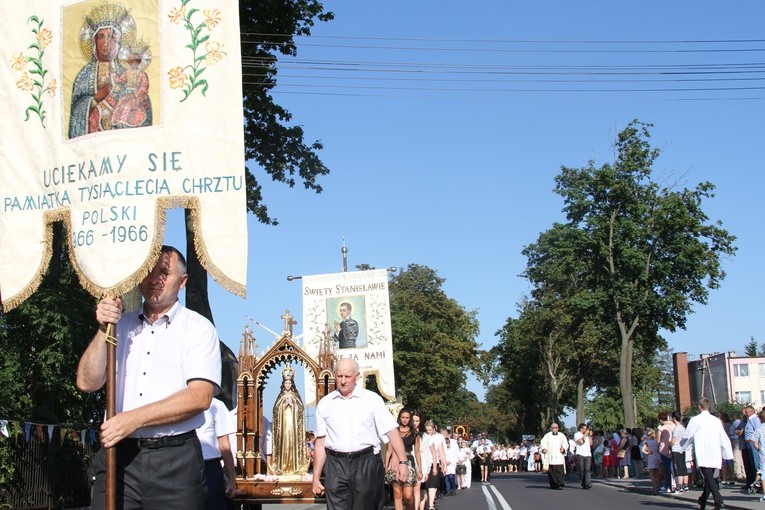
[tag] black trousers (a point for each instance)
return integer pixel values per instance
(749, 468)
(710, 485)
(585, 470)
(168, 478)
(557, 476)
(216, 486)
(354, 484)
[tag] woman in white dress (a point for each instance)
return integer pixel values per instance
(438, 466)
(464, 468)
(534, 457)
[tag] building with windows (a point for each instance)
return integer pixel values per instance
(719, 377)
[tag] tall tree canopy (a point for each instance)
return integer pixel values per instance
(650, 250)
(632, 259)
(41, 341)
(278, 148)
(274, 147)
(434, 345)
(559, 276)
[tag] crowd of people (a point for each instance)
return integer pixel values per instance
(676, 454)
(441, 462)
(168, 363)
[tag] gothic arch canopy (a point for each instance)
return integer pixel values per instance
(285, 350)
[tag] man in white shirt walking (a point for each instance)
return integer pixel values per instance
(583, 440)
(350, 423)
(711, 445)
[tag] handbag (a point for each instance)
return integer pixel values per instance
(392, 477)
(621, 453)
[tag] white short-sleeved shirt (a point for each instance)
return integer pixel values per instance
(218, 423)
(437, 440)
(483, 449)
(157, 360)
(584, 449)
(353, 423)
(677, 435)
(452, 452)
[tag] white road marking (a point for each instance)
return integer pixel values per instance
(490, 501)
(501, 500)
(487, 495)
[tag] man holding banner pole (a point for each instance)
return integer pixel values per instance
(168, 369)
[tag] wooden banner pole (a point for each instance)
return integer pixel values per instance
(111, 410)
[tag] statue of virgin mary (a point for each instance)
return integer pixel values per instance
(290, 455)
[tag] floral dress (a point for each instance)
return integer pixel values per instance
(653, 457)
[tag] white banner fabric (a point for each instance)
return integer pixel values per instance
(114, 111)
(354, 308)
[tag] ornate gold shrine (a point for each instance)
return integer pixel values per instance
(253, 490)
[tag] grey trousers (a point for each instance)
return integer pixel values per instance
(169, 478)
(585, 470)
(354, 484)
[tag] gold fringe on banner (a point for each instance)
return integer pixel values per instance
(376, 373)
(14, 301)
(164, 203)
(192, 204)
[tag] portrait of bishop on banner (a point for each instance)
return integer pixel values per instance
(114, 111)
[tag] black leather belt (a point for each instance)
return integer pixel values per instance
(158, 442)
(350, 455)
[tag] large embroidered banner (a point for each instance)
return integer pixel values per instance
(114, 111)
(352, 311)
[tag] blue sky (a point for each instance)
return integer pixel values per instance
(453, 171)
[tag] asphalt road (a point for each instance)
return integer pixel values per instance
(530, 491)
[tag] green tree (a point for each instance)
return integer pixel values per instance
(654, 386)
(533, 363)
(752, 349)
(650, 250)
(434, 345)
(272, 142)
(559, 276)
(498, 416)
(41, 341)
(275, 148)
(604, 411)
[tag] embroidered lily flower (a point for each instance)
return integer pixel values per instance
(177, 78)
(19, 62)
(25, 83)
(51, 88)
(177, 15)
(215, 52)
(212, 18)
(44, 37)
